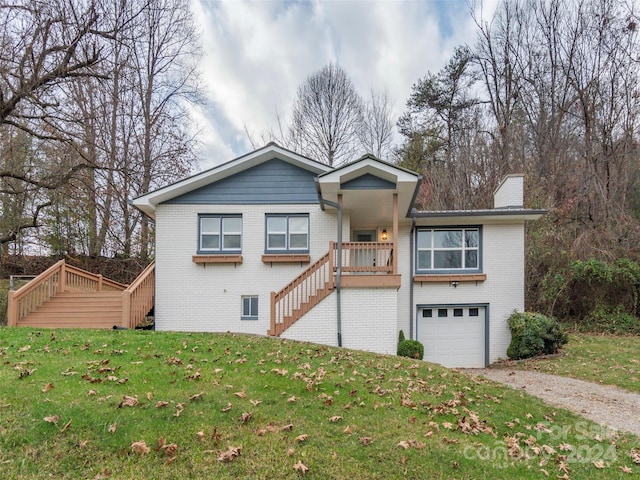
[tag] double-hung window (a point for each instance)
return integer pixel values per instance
(287, 233)
(447, 250)
(220, 233)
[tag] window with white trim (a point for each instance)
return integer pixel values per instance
(249, 307)
(219, 233)
(287, 233)
(445, 250)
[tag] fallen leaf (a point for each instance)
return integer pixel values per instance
(301, 438)
(197, 396)
(229, 454)
(47, 387)
(24, 349)
(241, 394)
(291, 451)
(287, 428)
(301, 467)
(255, 403)
(403, 444)
(160, 404)
(335, 418)
(245, 417)
(140, 447)
(52, 419)
(365, 441)
(347, 430)
(113, 427)
(625, 469)
(228, 407)
(67, 425)
(599, 464)
(128, 401)
(169, 450)
(149, 396)
(292, 399)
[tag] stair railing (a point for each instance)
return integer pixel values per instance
(302, 293)
(138, 298)
(38, 291)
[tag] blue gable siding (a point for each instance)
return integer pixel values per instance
(368, 182)
(271, 182)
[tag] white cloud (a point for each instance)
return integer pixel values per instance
(258, 52)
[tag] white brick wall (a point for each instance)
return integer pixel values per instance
(503, 262)
(368, 321)
(192, 297)
(510, 193)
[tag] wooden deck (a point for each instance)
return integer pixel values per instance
(78, 310)
(68, 297)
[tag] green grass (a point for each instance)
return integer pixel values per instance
(453, 426)
(607, 359)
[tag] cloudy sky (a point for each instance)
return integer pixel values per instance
(257, 52)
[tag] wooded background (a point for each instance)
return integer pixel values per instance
(94, 101)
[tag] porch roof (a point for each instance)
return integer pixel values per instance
(372, 201)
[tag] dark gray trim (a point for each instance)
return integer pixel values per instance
(452, 270)
(413, 198)
(487, 319)
(478, 213)
(257, 304)
(368, 182)
(220, 250)
(286, 250)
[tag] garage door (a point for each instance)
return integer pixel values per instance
(453, 336)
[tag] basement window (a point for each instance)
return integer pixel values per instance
(249, 307)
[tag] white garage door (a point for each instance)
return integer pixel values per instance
(453, 336)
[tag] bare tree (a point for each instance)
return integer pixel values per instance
(43, 46)
(376, 132)
(327, 115)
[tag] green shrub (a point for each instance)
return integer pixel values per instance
(411, 349)
(614, 320)
(400, 338)
(534, 334)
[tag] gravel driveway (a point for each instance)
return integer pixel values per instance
(610, 406)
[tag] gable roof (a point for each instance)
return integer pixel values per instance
(148, 202)
(372, 174)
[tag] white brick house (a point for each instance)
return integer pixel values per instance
(252, 246)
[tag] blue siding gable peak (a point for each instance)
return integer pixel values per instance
(272, 182)
(368, 182)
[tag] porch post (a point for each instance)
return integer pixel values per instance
(395, 234)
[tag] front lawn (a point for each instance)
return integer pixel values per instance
(144, 404)
(604, 359)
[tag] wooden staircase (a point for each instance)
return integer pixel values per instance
(78, 310)
(302, 294)
(64, 296)
(368, 259)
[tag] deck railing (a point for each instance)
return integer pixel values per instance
(77, 279)
(365, 257)
(38, 291)
(138, 298)
(301, 294)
